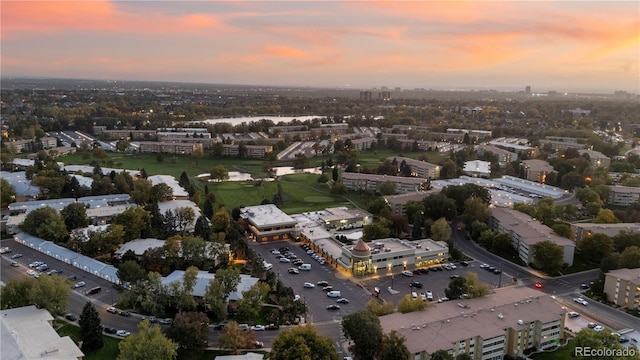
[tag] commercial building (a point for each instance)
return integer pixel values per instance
(582, 230)
(387, 256)
(420, 169)
(507, 322)
(623, 195)
(343, 218)
(477, 168)
(28, 333)
(526, 232)
(267, 223)
(536, 170)
(622, 287)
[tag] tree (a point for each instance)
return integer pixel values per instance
(219, 173)
(600, 340)
(456, 288)
(460, 193)
(441, 230)
(547, 256)
(8, 193)
(160, 192)
(596, 246)
(75, 216)
(630, 258)
(377, 230)
(338, 188)
(387, 188)
(475, 209)
(334, 174)
(136, 222)
(252, 299)
(184, 217)
(141, 193)
(129, 272)
(302, 343)
(221, 221)
(207, 208)
(408, 304)
(189, 329)
(605, 216)
(438, 205)
(202, 228)
(46, 223)
(475, 287)
(90, 329)
(379, 309)
(441, 355)
(393, 347)
(563, 230)
(46, 292)
(416, 229)
(17, 293)
(234, 338)
(365, 343)
(464, 356)
(148, 343)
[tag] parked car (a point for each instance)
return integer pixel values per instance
(71, 317)
(333, 307)
(423, 296)
(5, 250)
(16, 256)
(124, 313)
(258, 327)
(309, 285)
(165, 321)
(322, 283)
(123, 333)
(497, 271)
(112, 310)
(464, 263)
(572, 314)
(284, 260)
(272, 327)
(14, 264)
(581, 301)
(342, 301)
(407, 273)
(429, 295)
(416, 272)
(79, 284)
(110, 330)
(416, 284)
(257, 344)
(327, 288)
(293, 271)
(598, 328)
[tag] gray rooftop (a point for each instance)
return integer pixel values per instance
(265, 216)
(531, 231)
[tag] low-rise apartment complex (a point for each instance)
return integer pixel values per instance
(420, 169)
(623, 195)
(536, 170)
(582, 230)
(361, 182)
(622, 287)
(526, 232)
(507, 322)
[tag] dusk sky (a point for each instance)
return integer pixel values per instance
(549, 45)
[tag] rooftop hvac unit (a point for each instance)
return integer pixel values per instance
(500, 316)
(520, 322)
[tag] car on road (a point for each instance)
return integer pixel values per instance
(322, 283)
(257, 344)
(309, 285)
(165, 321)
(407, 273)
(497, 271)
(484, 266)
(258, 327)
(342, 301)
(124, 313)
(581, 301)
(14, 264)
(5, 250)
(464, 263)
(416, 284)
(79, 284)
(110, 330)
(123, 333)
(538, 284)
(71, 317)
(591, 325)
(16, 256)
(112, 310)
(573, 314)
(598, 328)
(152, 319)
(333, 307)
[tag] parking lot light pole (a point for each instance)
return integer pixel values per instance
(392, 281)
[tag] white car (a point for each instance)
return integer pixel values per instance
(123, 333)
(296, 297)
(423, 296)
(429, 295)
(581, 301)
(79, 284)
(598, 328)
(572, 314)
(258, 328)
(407, 273)
(284, 260)
(309, 285)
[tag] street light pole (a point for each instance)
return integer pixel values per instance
(500, 278)
(392, 281)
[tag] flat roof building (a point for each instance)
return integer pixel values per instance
(420, 169)
(503, 156)
(361, 182)
(399, 202)
(623, 195)
(477, 168)
(536, 170)
(582, 230)
(267, 223)
(504, 323)
(343, 218)
(526, 232)
(28, 333)
(622, 287)
(596, 158)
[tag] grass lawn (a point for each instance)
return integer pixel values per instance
(108, 352)
(563, 353)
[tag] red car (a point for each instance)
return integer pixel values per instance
(539, 285)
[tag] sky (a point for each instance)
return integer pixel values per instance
(591, 46)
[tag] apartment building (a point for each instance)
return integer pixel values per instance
(504, 156)
(596, 158)
(252, 151)
(536, 170)
(526, 232)
(623, 195)
(582, 230)
(420, 169)
(267, 223)
(127, 134)
(170, 147)
(398, 203)
(504, 323)
(622, 287)
(358, 182)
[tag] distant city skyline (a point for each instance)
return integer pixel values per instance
(588, 46)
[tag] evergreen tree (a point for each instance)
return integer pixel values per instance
(335, 174)
(202, 228)
(184, 180)
(207, 208)
(90, 329)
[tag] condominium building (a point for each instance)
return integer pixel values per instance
(596, 158)
(623, 195)
(507, 322)
(170, 147)
(536, 170)
(420, 169)
(267, 223)
(503, 156)
(526, 232)
(582, 230)
(622, 287)
(358, 181)
(398, 203)
(477, 168)
(252, 151)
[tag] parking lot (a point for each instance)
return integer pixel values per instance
(316, 298)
